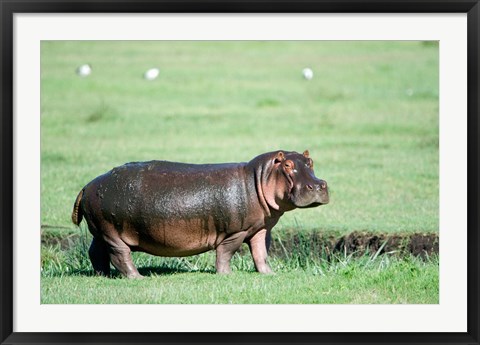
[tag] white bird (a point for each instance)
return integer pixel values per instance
(84, 70)
(307, 73)
(151, 74)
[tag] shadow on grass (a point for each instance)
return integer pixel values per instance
(148, 271)
(165, 271)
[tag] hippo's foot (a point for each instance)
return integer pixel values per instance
(222, 264)
(135, 276)
(224, 270)
(265, 269)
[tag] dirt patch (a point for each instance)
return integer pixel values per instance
(417, 244)
(64, 242)
(421, 244)
(357, 243)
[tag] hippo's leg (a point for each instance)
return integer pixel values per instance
(98, 254)
(258, 245)
(120, 255)
(225, 251)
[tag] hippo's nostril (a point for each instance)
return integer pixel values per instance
(309, 187)
(323, 185)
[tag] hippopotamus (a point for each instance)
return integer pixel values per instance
(176, 209)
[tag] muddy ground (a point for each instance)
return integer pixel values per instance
(417, 244)
(315, 243)
(358, 243)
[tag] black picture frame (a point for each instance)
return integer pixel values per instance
(9, 8)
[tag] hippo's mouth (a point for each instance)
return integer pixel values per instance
(315, 204)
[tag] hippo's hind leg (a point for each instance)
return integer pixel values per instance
(122, 260)
(120, 255)
(99, 257)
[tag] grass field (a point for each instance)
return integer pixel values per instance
(369, 118)
(370, 280)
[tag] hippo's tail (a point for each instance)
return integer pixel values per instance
(77, 213)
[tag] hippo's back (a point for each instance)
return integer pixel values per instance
(159, 194)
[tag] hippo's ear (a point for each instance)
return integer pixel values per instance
(306, 153)
(280, 157)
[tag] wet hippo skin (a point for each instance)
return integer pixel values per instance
(176, 209)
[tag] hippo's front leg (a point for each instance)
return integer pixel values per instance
(225, 251)
(259, 244)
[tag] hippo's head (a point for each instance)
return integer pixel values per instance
(287, 181)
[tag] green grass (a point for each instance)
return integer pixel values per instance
(307, 279)
(355, 285)
(376, 146)
(369, 118)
